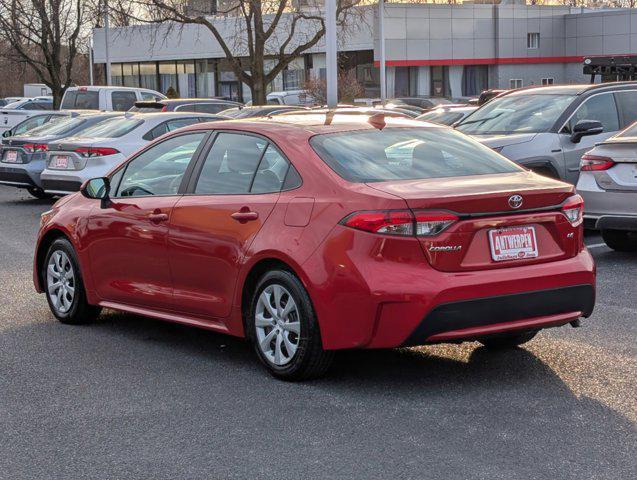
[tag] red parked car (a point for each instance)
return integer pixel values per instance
(312, 233)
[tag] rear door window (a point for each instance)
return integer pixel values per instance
(122, 100)
(598, 107)
(627, 103)
(231, 163)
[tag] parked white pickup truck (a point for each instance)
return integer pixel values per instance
(17, 112)
(118, 99)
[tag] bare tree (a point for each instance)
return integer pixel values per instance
(267, 35)
(46, 35)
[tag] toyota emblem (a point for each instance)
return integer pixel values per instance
(515, 201)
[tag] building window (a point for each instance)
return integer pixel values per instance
(547, 81)
(533, 41)
(515, 83)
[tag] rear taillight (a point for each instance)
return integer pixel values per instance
(35, 147)
(96, 151)
(573, 209)
(401, 222)
(391, 222)
(433, 223)
(590, 163)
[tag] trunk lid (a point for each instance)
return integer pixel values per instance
(482, 205)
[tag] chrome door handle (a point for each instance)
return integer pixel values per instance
(158, 217)
(244, 216)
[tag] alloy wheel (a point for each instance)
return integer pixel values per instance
(277, 324)
(60, 280)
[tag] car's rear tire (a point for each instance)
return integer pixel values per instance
(282, 326)
(620, 240)
(39, 193)
(63, 285)
(507, 340)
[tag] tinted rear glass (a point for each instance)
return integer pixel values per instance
(113, 128)
(56, 127)
(83, 100)
(407, 154)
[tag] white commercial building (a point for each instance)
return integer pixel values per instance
(431, 50)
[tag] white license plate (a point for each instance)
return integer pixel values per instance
(61, 161)
(11, 156)
(514, 243)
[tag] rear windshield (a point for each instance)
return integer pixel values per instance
(113, 128)
(56, 127)
(443, 118)
(407, 154)
(629, 132)
(81, 99)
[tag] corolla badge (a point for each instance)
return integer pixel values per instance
(515, 201)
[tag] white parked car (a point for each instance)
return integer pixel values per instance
(19, 111)
(73, 160)
(290, 97)
(119, 99)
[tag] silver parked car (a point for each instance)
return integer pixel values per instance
(608, 183)
(548, 129)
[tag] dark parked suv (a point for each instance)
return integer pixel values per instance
(548, 129)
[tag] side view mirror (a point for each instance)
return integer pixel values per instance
(7, 133)
(98, 189)
(584, 128)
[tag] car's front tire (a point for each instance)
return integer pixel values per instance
(620, 240)
(63, 285)
(507, 340)
(283, 328)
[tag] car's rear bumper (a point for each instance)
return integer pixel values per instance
(525, 310)
(395, 298)
(68, 181)
(23, 175)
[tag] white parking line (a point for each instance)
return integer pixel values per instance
(596, 245)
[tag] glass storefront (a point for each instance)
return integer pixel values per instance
(148, 75)
(186, 79)
(168, 77)
(205, 78)
(130, 74)
(214, 77)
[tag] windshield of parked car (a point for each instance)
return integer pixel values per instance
(407, 154)
(532, 113)
(113, 128)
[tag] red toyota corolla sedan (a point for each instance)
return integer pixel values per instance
(309, 233)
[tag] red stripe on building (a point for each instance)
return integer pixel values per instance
(479, 61)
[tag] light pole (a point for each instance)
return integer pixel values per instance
(106, 42)
(331, 65)
(381, 32)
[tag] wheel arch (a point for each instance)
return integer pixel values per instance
(43, 247)
(256, 270)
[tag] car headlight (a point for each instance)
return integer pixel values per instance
(45, 216)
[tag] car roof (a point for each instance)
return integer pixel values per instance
(290, 126)
(577, 89)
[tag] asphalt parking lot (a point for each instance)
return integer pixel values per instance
(129, 397)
